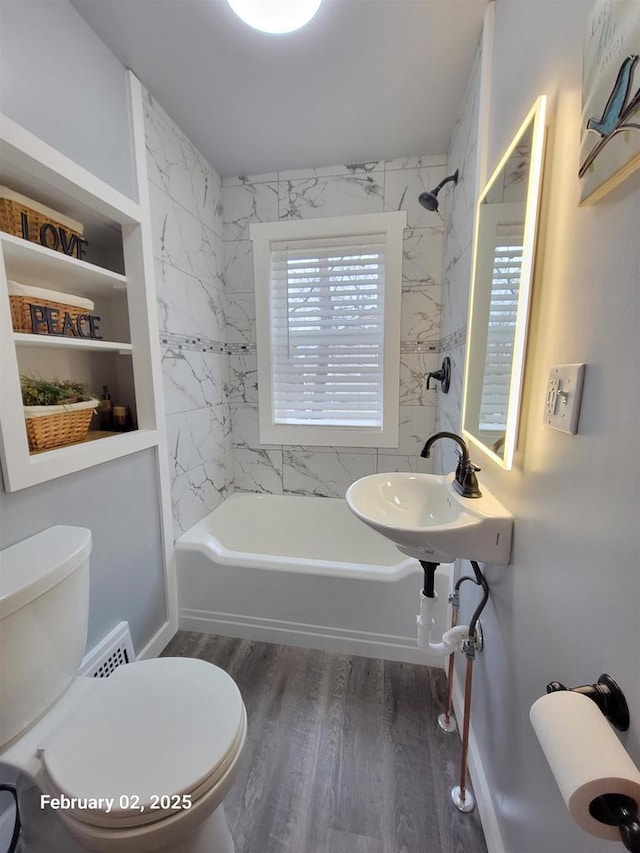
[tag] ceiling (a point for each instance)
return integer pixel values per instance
(365, 80)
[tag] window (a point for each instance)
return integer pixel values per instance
(328, 329)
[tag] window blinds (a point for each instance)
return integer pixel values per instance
(327, 331)
(503, 312)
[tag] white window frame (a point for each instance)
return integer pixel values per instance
(263, 235)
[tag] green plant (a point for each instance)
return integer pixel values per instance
(51, 392)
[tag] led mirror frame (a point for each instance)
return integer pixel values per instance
(537, 116)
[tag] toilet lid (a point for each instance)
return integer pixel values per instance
(156, 729)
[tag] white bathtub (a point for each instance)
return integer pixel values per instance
(302, 571)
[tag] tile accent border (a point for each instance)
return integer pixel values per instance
(193, 343)
(241, 349)
(454, 339)
(419, 347)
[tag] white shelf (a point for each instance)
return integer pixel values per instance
(30, 263)
(49, 464)
(77, 344)
(30, 165)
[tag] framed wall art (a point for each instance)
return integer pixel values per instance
(610, 127)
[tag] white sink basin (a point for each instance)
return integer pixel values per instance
(427, 519)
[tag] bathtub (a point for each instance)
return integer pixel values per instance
(301, 571)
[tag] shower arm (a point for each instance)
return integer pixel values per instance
(444, 181)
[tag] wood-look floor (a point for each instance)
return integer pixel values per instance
(343, 753)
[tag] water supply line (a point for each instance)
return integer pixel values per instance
(446, 722)
(466, 638)
(461, 797)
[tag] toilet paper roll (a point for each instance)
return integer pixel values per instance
(584, 755)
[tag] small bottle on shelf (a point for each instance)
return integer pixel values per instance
(105, 410)
(121, 418)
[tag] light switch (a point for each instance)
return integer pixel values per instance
(564, 394)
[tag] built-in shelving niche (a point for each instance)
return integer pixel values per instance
(112, 274)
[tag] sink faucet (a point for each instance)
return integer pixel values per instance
(465, 481)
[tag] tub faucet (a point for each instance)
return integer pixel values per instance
(465, 481)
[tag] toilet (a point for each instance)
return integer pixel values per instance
(139, 761)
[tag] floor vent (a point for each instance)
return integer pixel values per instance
(114, 650)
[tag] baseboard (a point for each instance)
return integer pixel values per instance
(479, 782)
(325, 638)
(157, 643)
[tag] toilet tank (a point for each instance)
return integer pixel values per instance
(44, 608)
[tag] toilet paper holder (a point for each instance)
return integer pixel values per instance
(621, 811)
(612, 809)
(607, 695)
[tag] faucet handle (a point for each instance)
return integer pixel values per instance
(443, 376)
(468, 465)
(467, 480)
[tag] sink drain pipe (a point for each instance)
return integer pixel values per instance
(451, 640)
(429, 569)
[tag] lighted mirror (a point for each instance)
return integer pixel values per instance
(504, 248)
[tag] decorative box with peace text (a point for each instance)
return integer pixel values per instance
(39, 311)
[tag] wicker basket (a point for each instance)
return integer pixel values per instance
(22, 296)
(56, 426)
(13, 205)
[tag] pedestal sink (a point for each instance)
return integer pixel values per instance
(427, 519)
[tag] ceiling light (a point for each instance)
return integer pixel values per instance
(275, 16)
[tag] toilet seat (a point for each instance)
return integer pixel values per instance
(157, 729)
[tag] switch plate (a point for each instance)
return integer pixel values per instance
(564, 394)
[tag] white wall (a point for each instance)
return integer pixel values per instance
(118, 502)
(61, 82)
(567, 606)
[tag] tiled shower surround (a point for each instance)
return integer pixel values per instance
(334, 191)
(206, 309)
(186, 213)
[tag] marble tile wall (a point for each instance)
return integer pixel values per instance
(188, 242)
(456, 277)
(334, 191)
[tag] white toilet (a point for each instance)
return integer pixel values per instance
(145, 757)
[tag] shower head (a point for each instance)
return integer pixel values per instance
(429, 200)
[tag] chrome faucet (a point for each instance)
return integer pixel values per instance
(465, 481)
